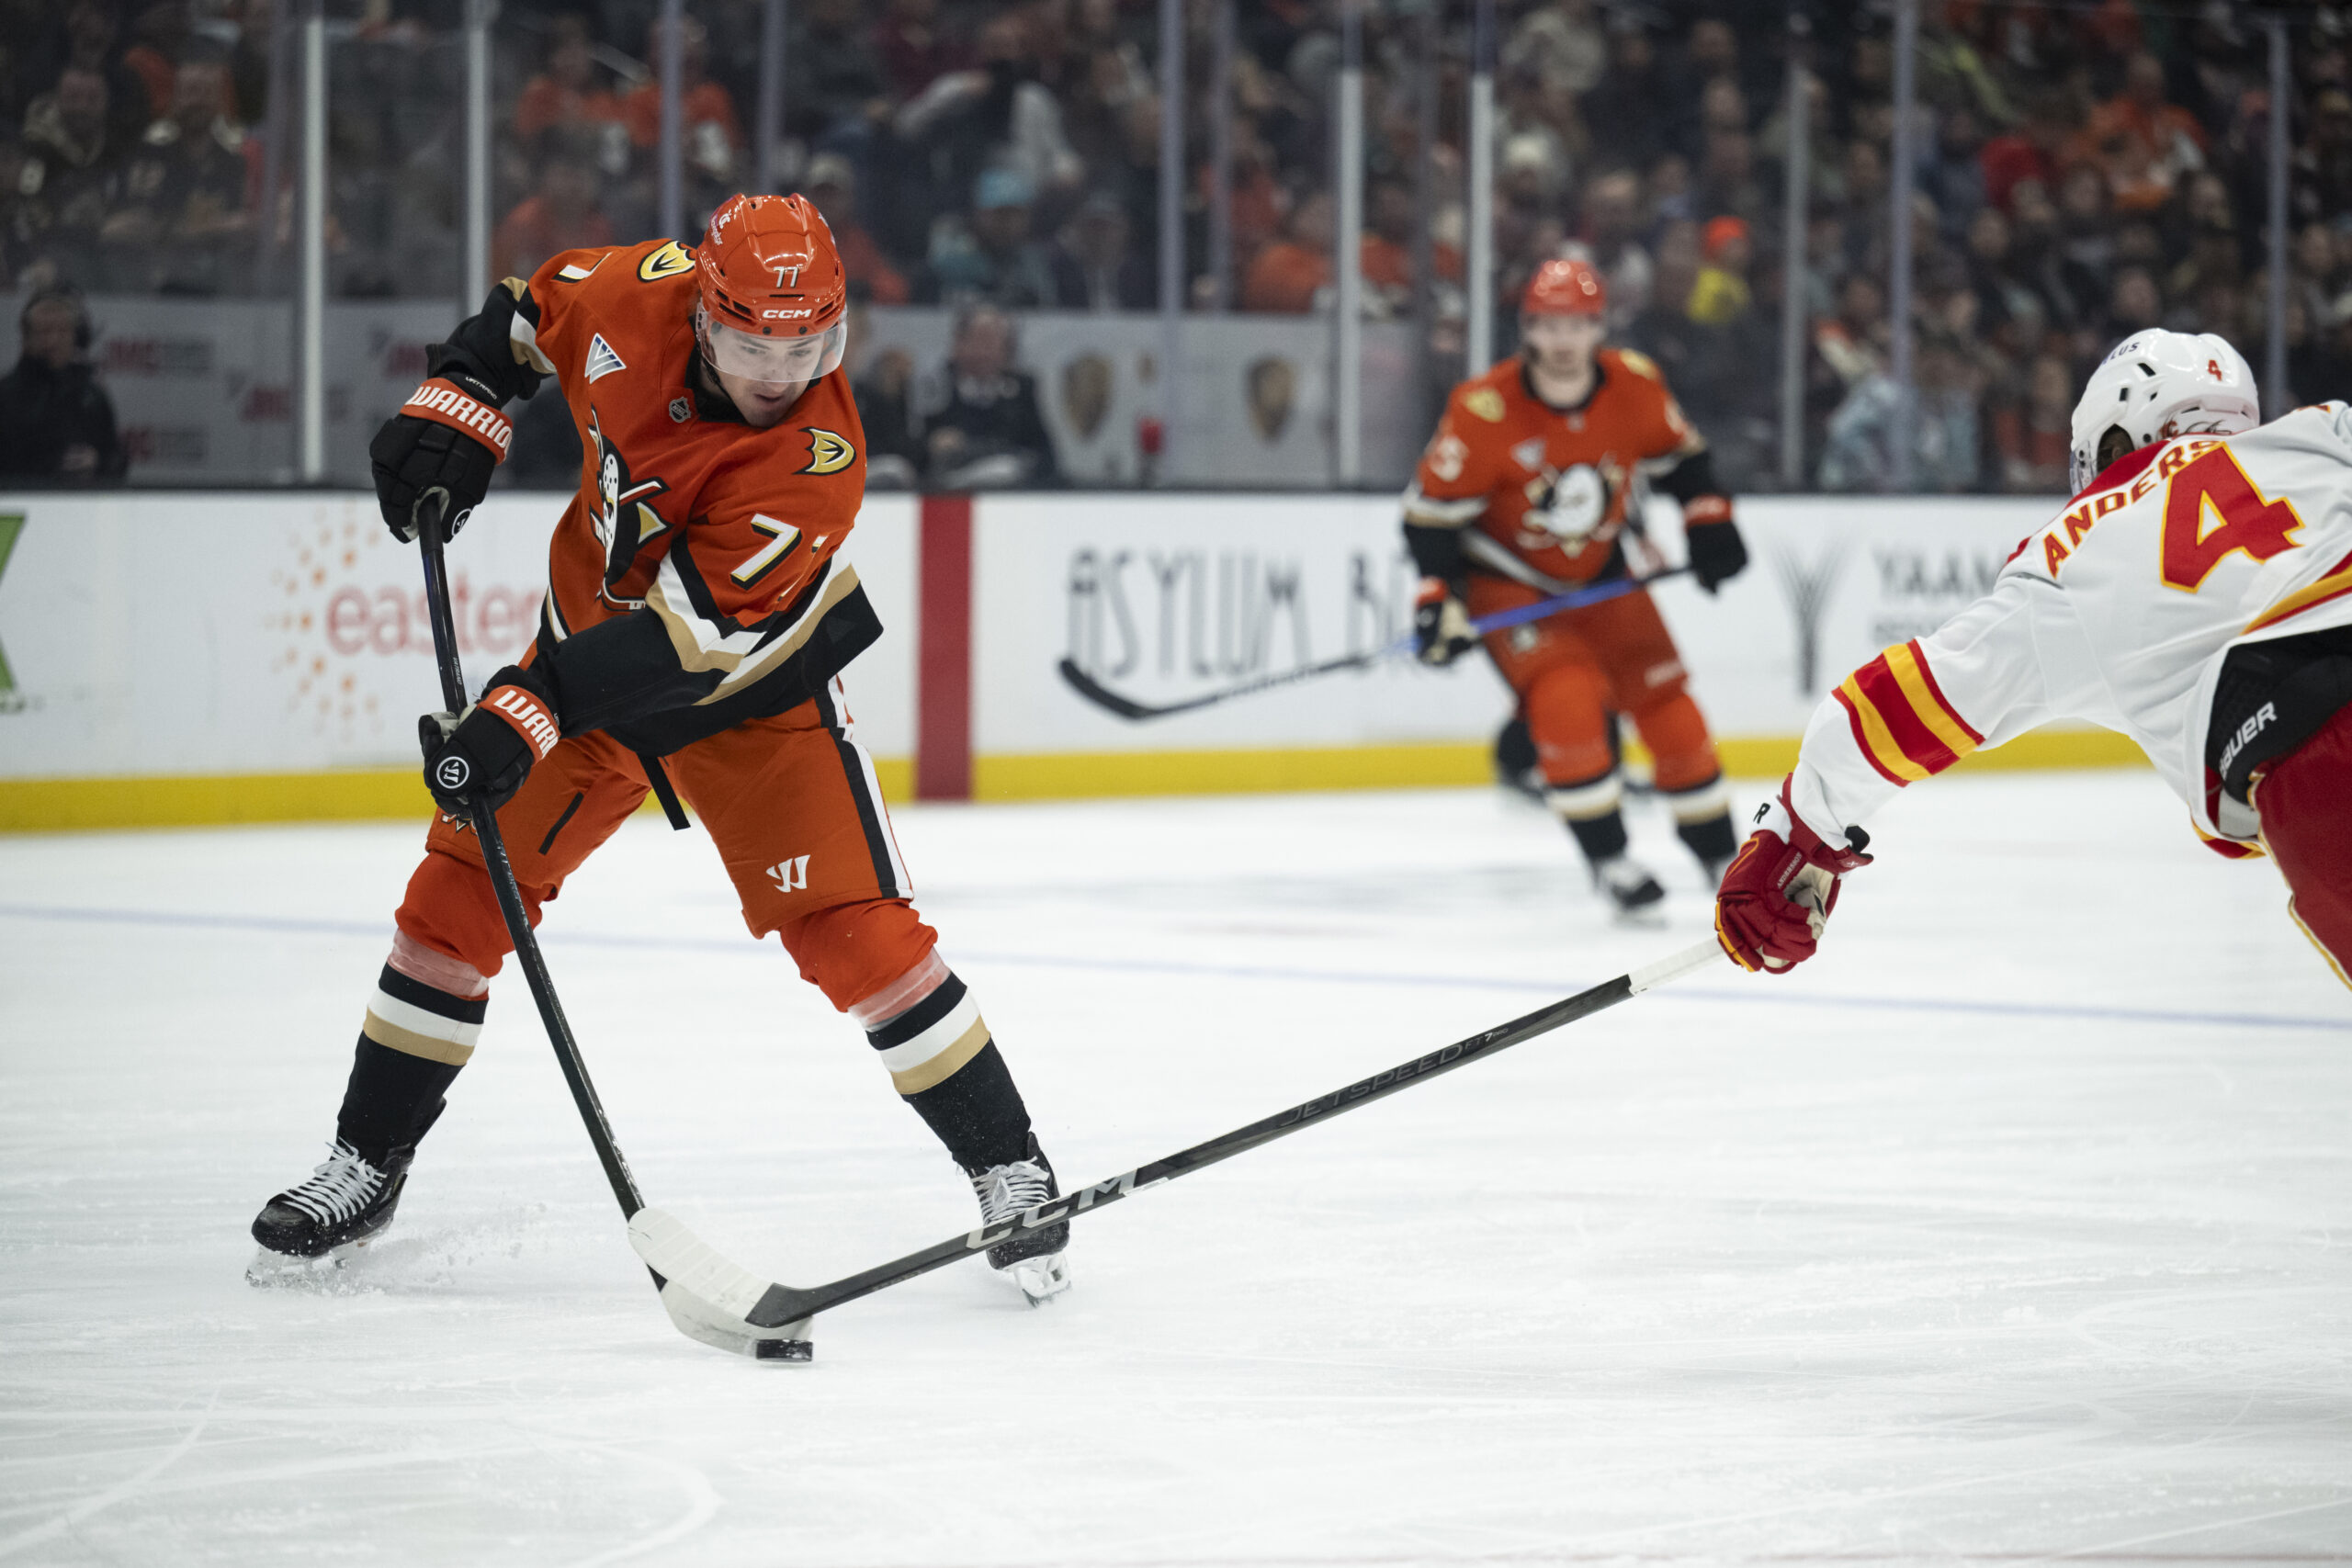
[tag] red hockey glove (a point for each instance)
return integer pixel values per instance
(447, 436)
(1442, 631)
(1778, 894)
(483, 755)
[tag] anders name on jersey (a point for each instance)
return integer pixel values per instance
(2194, 595)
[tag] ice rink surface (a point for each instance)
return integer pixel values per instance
(2012, 1230)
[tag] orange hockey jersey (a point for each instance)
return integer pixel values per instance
(1542, 494)
(696, 579)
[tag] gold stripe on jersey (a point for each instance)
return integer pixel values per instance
(743, 655)
(1878, 741)
(2335, 585)
(1926, 704)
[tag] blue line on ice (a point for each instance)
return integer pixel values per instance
(292, 927)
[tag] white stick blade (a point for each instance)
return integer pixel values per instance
(687, 1261)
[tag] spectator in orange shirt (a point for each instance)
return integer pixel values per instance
(567, 92)
(707, 113)
(2168, 136)
(561, 215)
(1290, 274)
(1386, 254)
(832, 185)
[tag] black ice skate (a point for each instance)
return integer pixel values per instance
(1036, 1259)
(1628, 885)
(322, 1219)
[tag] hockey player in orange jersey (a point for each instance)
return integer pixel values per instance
(699, 610)
(1525, 491)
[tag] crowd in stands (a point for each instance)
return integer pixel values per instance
(2080, 170)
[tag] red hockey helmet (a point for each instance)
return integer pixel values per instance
(773, 297)
(1564, 288)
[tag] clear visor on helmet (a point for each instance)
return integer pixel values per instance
(776, 361)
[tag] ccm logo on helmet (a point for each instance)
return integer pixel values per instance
(785, 315)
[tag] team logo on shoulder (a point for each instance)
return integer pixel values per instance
(668, 262)
(602, 360)
(573, 272)
(828, 453)
(1639, 364)
(1486, 403)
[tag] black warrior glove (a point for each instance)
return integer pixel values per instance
(1442, 631)
(448, 437)
(1717, 554)
(483, 756)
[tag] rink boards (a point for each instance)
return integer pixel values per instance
(202, 656)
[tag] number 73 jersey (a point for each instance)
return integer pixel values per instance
(2119, 613)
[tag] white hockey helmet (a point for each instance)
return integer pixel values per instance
(2155, 385)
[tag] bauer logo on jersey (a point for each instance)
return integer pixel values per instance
(668, 262)
(828, 453)
(602, 360)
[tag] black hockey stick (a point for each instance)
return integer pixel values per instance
(1102, 696)
(692, 1316)
(760, 1306)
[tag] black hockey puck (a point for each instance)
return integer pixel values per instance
(783, 1350)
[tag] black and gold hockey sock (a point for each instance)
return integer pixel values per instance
(1711, 838)
(1602, 838)
(415, 1039)
(1702, 819)
(942, 1060)
(1590, 809)
(977, 1114)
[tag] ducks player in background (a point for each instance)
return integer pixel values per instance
(699, 609)
(2196, 595)
(1526, 491)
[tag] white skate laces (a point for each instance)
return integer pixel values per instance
(341, 1187)
(1005, 1190)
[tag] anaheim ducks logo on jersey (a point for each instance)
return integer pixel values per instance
(828, 453)
(1568, 506)
(668, 262)
(624, 521)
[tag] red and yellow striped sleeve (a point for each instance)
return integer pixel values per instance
(1903, 723)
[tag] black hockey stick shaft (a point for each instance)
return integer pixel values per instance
(782, 1304)
(1102, 696)
(429, 515)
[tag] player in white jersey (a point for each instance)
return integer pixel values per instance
(2196, 595)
